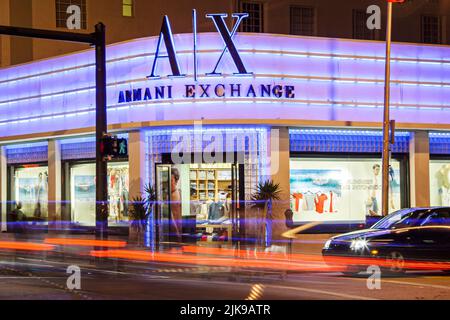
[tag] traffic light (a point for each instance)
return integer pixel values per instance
(113, 147)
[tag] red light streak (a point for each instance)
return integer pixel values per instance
(25, 246)
(86, 242)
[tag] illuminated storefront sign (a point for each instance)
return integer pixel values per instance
(192, 91)
(226, 35)
(204, 90)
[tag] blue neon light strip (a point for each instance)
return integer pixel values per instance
(150, 56)
(118, 107)
(309, 79)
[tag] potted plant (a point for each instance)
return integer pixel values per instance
(150, 201)
(266, 193)
(141, 212)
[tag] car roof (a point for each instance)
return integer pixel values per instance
(430, 208)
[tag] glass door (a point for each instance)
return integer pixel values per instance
(163, 191)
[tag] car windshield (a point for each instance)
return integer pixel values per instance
(402, 219)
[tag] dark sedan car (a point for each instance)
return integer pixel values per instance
(409, 237)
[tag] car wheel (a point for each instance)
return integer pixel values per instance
(395, 262)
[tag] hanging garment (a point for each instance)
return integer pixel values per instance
(195, 207)
(204, 210)
(216, 211)
(319, 202)
(309, 200)
(297, 198)
(228, 207)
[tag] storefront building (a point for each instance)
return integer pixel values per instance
(205, 127)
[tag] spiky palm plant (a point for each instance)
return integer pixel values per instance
(142, 209)
(266, 193)
(150, 197)
(138, 212)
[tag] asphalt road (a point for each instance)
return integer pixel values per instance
(36, 279)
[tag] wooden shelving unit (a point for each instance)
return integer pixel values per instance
(208, 183)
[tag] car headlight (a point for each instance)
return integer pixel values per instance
(359, 245)
(327, 245)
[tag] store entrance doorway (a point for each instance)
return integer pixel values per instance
(199, 202)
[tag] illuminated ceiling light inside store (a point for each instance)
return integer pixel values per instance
(344, 132)
(439, 134)
(26, 146)
(208, 129)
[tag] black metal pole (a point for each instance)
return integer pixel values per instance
(48, 34)
(101, 230)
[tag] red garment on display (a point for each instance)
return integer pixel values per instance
(113, 181)
(320, 202)
(297, 197)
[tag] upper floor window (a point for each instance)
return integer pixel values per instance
(127, 8)
(431, 29)
(360, 29)
(302, 21)
(62, 15)
(255, 21)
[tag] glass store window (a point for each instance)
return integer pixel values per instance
(198, 200)
(340, 190)
(439, 183)
(82, 193)
(30, 191)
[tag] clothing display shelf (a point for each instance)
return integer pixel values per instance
(207, 183)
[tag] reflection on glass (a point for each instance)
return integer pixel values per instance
(118, 186)
(340, 190)
(163, 194)
(195, 200)
(440, 183)
(83, 193)
(31, 192)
